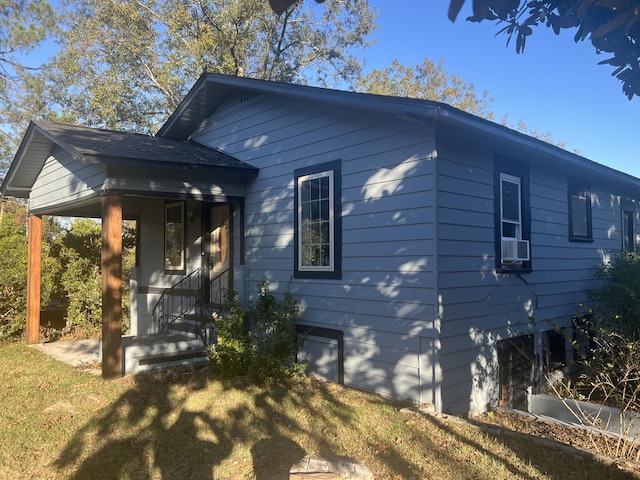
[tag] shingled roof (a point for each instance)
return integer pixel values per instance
(92, 145)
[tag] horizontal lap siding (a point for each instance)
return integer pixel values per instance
(64, 180)
(465, 268)
(479, 306)
(151, 269)
(385, 299)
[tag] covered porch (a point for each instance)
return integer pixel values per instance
(186, 199)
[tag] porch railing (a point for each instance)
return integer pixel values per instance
(217, 291)
(177, 301)
(185, 301)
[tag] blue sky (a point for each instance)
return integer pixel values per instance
(556, 86)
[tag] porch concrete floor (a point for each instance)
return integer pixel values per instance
(82, 354)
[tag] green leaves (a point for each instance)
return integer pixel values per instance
(13, 257)
(618, 301)
(24, 24)
(428, 81)
(70, 270)
(260, 341)
(127, 65)
(611, 25)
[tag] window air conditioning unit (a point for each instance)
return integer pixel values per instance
(514, 250)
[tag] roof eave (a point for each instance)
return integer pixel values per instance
(23, 149)
(6, 189)
(406, 108)
(447, 113)
(391, 105)
(195, 90)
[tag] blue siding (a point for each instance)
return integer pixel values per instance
(420, 302)
(386, 298)
(480, 306)
(64, 180)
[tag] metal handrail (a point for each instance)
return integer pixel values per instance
(218, 299)
(174, 302)
(181, 299)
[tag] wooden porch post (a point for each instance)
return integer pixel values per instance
(34, 271)
(111, 286)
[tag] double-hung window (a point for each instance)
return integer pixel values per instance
(317, 231)
(580, 229)
(510, 206)
(512, 215)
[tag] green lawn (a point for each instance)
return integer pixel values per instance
(60, 422)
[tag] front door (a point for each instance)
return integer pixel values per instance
(218, 258)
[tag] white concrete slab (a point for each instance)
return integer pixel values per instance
(79, 353)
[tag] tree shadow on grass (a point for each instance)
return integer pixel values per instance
(177, 425)
(565, 461)
(186, 425)
(150, 432)
(194, 425)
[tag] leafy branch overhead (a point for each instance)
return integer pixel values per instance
(127, 65)
(613, 26)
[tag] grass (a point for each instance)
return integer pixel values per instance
(57, 422)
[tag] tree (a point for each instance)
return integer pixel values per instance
(24, 24)
(127, 64)
(613, 26)
(13, 266)
(428, 81)
(78, 253)
(432, 82)
(13, 281)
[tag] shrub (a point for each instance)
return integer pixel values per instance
(82, 281)
(13, 267)
(611, 373)
(617, 303)
(13, 279)
(260, 341)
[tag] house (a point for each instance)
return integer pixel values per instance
(431, 250)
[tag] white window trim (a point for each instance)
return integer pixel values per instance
(181, 267)
(518, 181)
(332, 247)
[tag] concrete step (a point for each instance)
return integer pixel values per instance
(195, 330)
(164, 361)
(187, 327)
(162, 351)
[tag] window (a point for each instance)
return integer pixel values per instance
(317, 232)
(512, 215)
(579, 213)
(628, 227)
(174, 237)
(510, 206)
